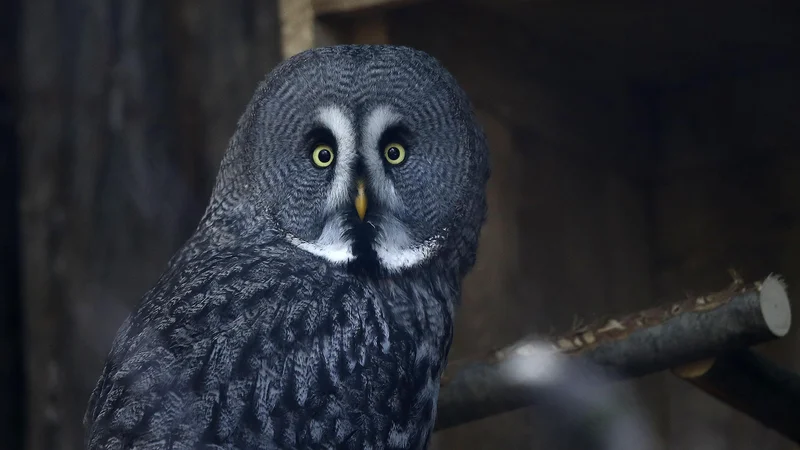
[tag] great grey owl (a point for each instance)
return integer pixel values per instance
(313, 306)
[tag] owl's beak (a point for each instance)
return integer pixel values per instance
(361, 199)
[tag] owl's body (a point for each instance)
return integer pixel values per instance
(298, 355)
(291, 319)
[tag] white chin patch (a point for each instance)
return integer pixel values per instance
(397, 251)
(393, 260)
(391, 257)
(396, 259)
(331, 244)
(334, 253)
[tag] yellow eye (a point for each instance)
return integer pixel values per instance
(322, 156)
(394, 153)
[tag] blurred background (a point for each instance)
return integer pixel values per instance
(640, 150)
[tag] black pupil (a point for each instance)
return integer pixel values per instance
(393, 153)
(324, 156)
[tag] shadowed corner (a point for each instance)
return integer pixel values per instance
(13, 385)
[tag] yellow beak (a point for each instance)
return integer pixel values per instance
(361, 200)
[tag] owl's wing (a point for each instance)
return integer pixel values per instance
(205, 355)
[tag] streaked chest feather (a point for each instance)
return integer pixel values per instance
(285, 362)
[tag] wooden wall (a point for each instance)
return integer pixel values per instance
(127, 107)
(567, 235)
(638, 153)
(633, 164)
(727, 194)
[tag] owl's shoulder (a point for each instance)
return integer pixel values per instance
(209, 319)
(241, 343)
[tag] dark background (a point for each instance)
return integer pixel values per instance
(640, 150)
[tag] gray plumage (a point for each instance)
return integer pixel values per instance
(286, 321)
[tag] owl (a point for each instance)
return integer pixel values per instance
(313, 306)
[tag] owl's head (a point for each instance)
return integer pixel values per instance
(368, 156)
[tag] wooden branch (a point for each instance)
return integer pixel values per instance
(657, 339)
(753, 385)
